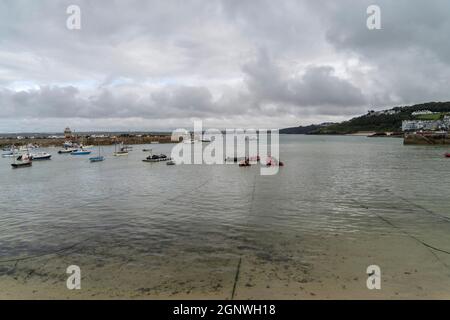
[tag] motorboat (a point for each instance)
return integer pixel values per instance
(41, 156)
(123, 151)
(244, 163)
(25, 161)
(157, 158)
(272, 162)
(171, 163)
(67, 150)
(80, 152)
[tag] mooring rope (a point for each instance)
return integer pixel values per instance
(429, 247)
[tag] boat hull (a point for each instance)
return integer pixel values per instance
(96, 159)
(80, 153)
(157, 160)
(41, 158)
(21, 165)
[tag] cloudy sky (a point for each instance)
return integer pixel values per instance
(159, 65)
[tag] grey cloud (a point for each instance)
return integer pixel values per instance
(177, 60)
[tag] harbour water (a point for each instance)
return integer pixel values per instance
(147, 230)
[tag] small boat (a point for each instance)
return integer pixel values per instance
(67, 150)
(8, 155)
(447, 155)
(272, 162)
(206, 140)
(146, 150)
(98, 158)
(234, 159)
(171, 163)
(157, 158)
(21, 164)
(41, 156)
(25, 161)
(80, 152)
(123, 151)
(68, 144)
(244, 163)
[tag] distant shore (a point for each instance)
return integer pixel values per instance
(57, 142)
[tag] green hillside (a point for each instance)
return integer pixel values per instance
(387, 120)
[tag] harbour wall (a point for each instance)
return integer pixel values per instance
(426, 139)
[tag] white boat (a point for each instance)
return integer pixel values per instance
(41, 156)
(67, 150)
(24, 160)
(121, 152)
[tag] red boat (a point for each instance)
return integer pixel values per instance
(447, 155)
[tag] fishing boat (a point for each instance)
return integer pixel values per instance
(80, 152)
(67, 150)
(272, 162)
(157, 158)
(41, 156)
(25, 161)
(244, 163)
(99, 158)
(122, 151)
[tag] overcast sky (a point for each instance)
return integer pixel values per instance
(158, 65)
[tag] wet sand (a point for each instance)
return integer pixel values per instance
(338, 272)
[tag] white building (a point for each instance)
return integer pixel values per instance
(420, 112)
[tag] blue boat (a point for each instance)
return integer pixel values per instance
(97, 159)
(80, 152)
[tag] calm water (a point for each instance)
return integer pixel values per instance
(189, 225)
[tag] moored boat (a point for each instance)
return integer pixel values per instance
(123, 151)
(25, 161)
(157, 158)
(67, 150)
(41, 156)
(244, 163)
(97, 159)
(80, 152)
